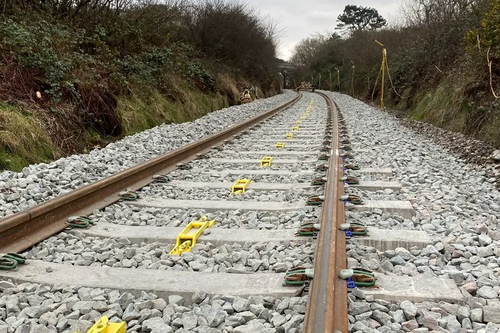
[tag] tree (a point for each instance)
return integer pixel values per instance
(358, 18)
(306, 50)
(430, 13)
(230, 33)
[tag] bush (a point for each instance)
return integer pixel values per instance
(43, 47)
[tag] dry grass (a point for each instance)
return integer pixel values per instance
(489, 132)
(452, 107)
(443, 108)
(23, 139)
(45, 133)
(228, 87)
(138, 114)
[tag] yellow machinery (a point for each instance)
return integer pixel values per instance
(306, 86)
(240, 186)
(188, 236)
(246, 96)
(103, 326)
(266, 161)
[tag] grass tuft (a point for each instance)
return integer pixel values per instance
(23, 139)
(138, 114)
(443, 107)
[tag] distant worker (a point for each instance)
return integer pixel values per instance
(245, 96)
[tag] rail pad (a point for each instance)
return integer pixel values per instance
(160, 282)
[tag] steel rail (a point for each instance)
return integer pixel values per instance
(22, 230)
(327, 304)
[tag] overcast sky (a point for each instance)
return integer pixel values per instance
(300, 19)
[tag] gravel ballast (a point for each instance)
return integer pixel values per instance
(35, 308)
(75, 248)
(120, 213)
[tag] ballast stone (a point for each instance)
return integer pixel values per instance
(156, 324)
(495, 156)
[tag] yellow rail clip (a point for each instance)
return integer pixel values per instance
(303, 117)
(240, 186)
(266, 161)
(289, 136)
(295, 128)
(186, 240)
(280, 145)
(103, 326)
(298, 122)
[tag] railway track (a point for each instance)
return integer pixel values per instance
(232, 279)
(197, 181)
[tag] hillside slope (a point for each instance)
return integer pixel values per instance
(75, 77)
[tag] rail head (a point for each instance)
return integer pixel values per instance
(327, 303)
(22, 230)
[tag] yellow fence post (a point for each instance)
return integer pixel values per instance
(382, 69)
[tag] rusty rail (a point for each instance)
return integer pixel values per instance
(327, 304)
(27, 228)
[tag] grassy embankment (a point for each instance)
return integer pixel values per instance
(76, 77)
